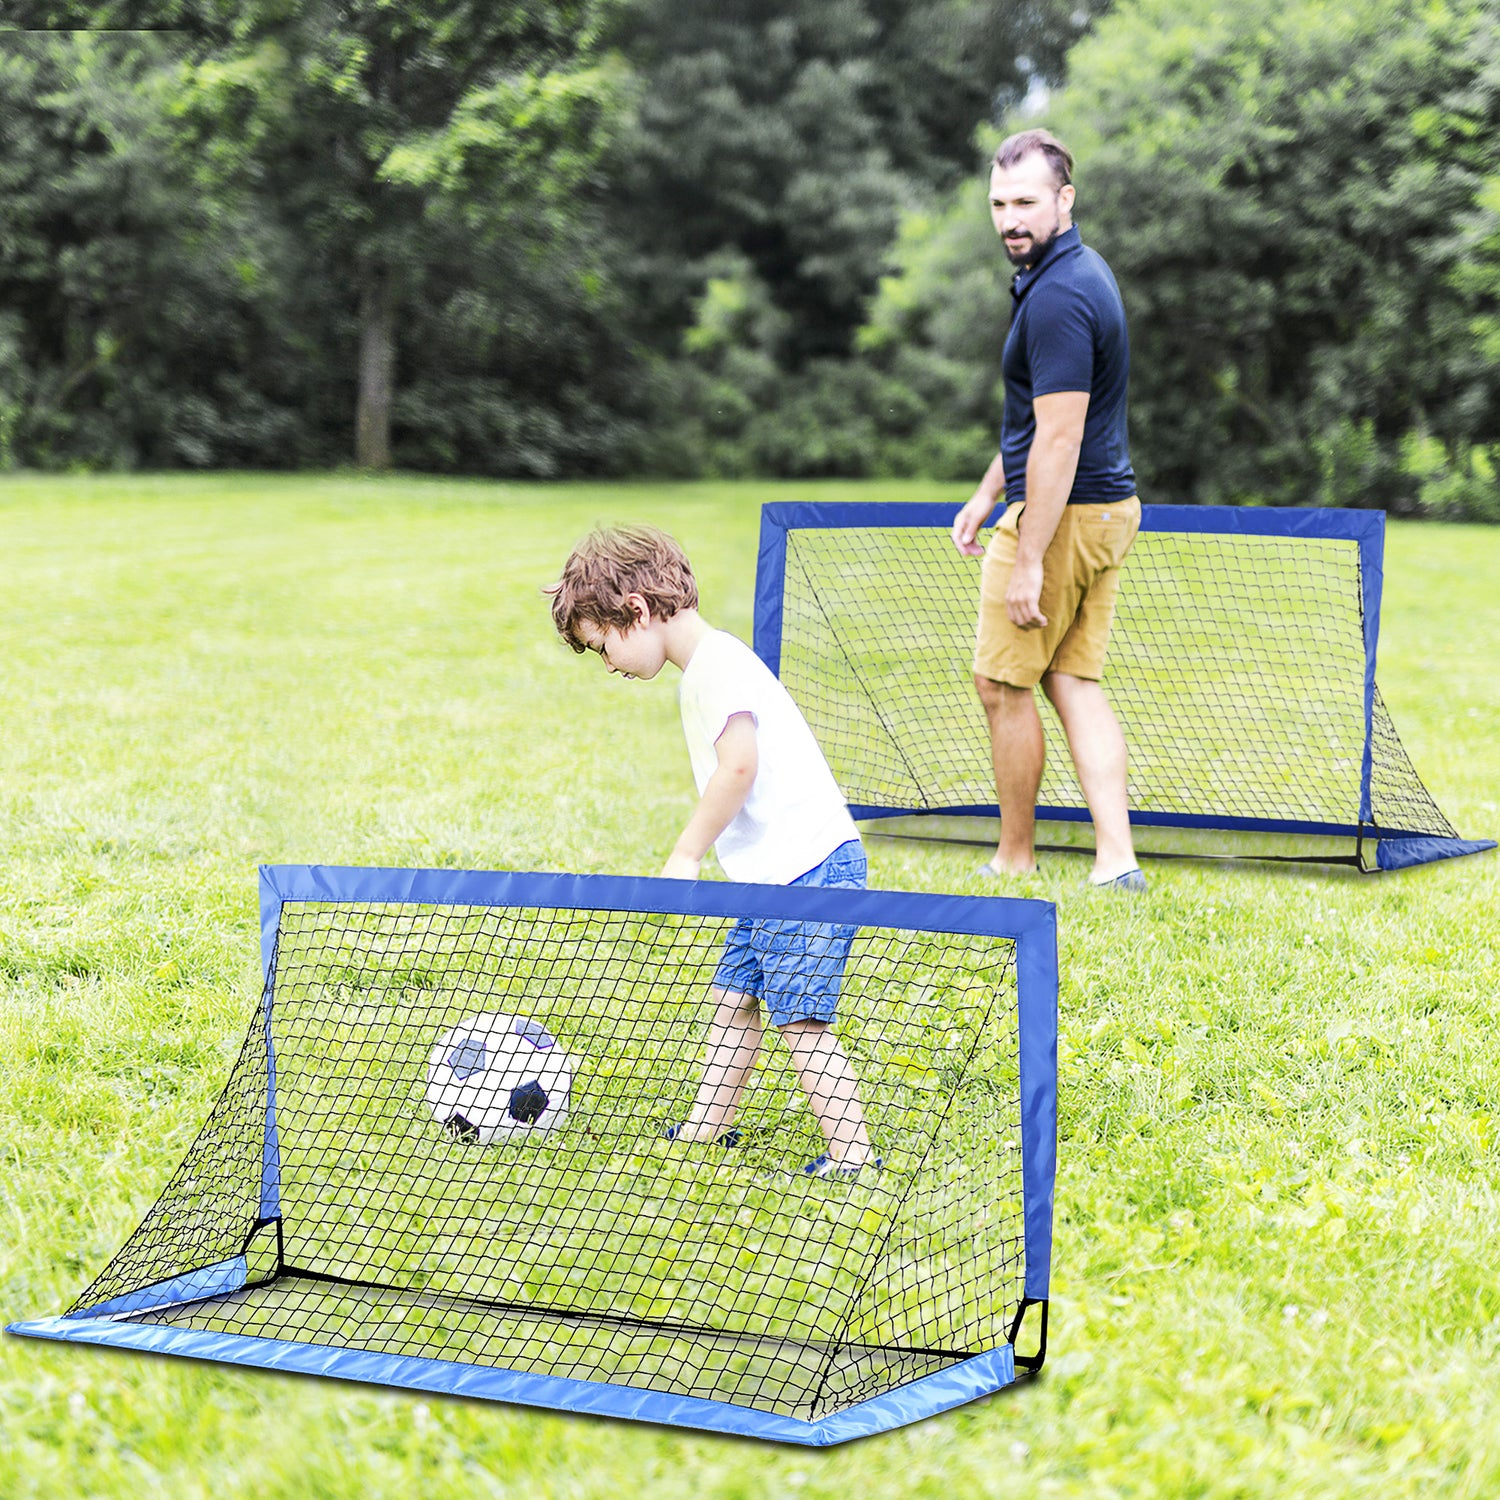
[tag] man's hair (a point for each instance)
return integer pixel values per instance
(1043, 142)
(609, 565)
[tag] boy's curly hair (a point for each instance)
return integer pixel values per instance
(609, 565)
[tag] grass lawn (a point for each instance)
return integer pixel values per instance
(1277, 1209)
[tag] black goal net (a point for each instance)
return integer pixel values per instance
(1241, 666)
(443, 1149)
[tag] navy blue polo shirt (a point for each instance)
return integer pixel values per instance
(1068, 334)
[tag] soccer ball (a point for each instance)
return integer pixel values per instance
(498, 1077)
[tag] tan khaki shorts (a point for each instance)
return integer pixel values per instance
(1080, 581)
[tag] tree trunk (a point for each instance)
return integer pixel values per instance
(377, 364)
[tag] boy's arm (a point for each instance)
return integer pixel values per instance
(722, 798)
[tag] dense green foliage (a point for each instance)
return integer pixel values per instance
(1279, 1089)
(609, 236)
(425, 160)
(131, 331)
(239, 247)
(786, 139)
(1300, 204)
(1316, 279)
(457, 236)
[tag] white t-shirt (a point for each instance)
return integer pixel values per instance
(795, 815)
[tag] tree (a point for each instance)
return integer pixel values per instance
(127, 302)
(409, 145)
(1308, 172)
(223, 243)
(389, 126)
(1299, 202)
(793, 133)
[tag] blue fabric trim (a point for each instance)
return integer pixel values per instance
(1137, 819)
(192, 1286)
(270, 1157)
(1330, 523)
(1402, 854)
(270, 1150)
(1309, 522)
(270, 923)
(1036, 960)
(981, 1376)
(932, 1394)
(795, 515)
(770, 589)
(1371, 578)
(980, 915)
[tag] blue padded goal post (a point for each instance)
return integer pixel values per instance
(1241, 665)
(368, 1200)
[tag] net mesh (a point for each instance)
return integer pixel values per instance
(1236, 666)
(596, 1248)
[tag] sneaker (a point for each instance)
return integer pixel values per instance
(726, 1138)
(822, 1166)
(1133, 881)
(987, 871)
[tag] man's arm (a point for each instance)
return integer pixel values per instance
(722, 798)
(1050, 467)
(977, 509)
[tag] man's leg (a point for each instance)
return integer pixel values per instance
(1098, 749)
(1018, 752)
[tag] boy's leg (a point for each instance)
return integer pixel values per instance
(831, 1088)
(803, 966)
(734, 1038)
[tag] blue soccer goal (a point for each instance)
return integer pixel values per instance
(1242, 667)
(439, 1160)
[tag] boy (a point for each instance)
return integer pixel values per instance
(768, 805)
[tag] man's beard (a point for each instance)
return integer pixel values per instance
(1027, 257)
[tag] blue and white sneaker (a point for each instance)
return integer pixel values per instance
(1132, 882)
(726, 1138)
(824, 1166)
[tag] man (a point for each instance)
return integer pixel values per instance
(1051, 571)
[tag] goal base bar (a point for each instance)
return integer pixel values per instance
(1403, 853)
(1393, 848)
(981, 1375)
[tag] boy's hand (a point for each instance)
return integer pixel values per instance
(681, 867)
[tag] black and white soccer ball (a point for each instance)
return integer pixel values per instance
(498, 1077)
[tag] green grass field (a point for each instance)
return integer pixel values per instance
(1277, 1211)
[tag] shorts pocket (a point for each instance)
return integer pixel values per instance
(1107, 534)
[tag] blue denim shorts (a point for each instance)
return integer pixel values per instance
(795, 969)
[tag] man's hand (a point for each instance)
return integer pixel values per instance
(1023, 599)
(967, 522)
(681, 867)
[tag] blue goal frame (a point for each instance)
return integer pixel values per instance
(1030, 924)
(1395, 848)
